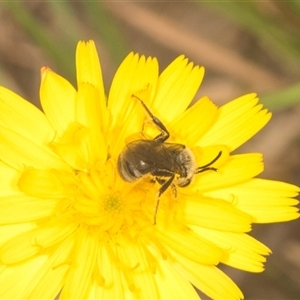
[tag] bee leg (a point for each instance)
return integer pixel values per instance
(164, 131)
(162, 189)
(174, 189)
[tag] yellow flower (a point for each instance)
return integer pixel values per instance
(70, 224)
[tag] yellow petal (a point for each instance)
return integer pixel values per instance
(32, 208)
(88, 67)
(134, 75)
(136, 270)
(19, 248)
(89, 114)
(34, 241)
(214, 213)
(73, 146)
(237, 122)
(207, 278)
(53, 270)
(237, 169)
(21, 116)
(57, 99)
(190, 245)
(89, 71)
(177, 86)
(276, 214)
(172, 284)
(192, 124)
(53, 232)
(15, 279)
(108, 275)
(258, 196)
(242, 251)
(17, 151)
(9, 178)
(81, 270)
(42, 184)
(7, 232)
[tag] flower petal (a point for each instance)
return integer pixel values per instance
(19, 248)
(242, 251)
(21, 116)
(177, 86)
(108, 275)
(135, 75)
(89, 114)
(7, 232)
(173, 284)
(88, 67)
(237, 169)
(42, 184)
(9, 178)
(33, 242)
(136, 270)
(57, 99)
(17, 151)
(54, 270)
(82, 267)
(15, 279)
(256, 196)
(89, 71)
(214, 213)
(236, 123)
(73, 146)
(190, 245)
(207, 278)
(192, 124)
(32, 208)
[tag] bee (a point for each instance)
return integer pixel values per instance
(170, 164)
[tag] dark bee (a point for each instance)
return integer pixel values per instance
(170, 164)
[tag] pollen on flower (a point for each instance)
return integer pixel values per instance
(113, 203)
(94, 204)
(124, 208)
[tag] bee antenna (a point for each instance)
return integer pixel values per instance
(207, 166)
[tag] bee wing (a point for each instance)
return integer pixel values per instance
(155, 154)
(173, 147)
(168, 157)
(162, 156)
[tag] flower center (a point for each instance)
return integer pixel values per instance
(97, 198)
(109, 204)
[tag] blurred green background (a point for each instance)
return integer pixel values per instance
(244, 46)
